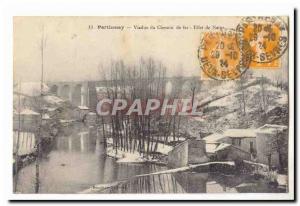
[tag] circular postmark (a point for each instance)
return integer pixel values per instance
(266, 36)
(221, 57)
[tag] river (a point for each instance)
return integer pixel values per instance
(76, 162)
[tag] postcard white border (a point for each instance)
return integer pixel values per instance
(131, 8)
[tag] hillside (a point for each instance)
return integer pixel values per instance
(233, 104)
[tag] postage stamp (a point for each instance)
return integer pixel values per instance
(275, 64)
(221, 57)
(266, 36)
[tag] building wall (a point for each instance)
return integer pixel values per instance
(188, 152)
(245, 142)
(232, 153)
(28, 123)
(178, 157)
(264, 148)
(197, 152)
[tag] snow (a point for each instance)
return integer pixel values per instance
(199, 119)
(283, 99)
(222, 146)
(83, 107)
(222, 102)
(232, 133)
(214, 137)
(46, 116)
(125, 157)
(282, 179)
(53, 99)
(255, 163)
(51, 109)
(271, 128)
(31, 88)
(134, 157)
(28, 112)
(164, 149)
(248, 133)
(211, 147)
(67, 120)
(226, 88)
(214, 147)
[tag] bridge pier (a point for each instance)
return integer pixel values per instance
(75, 92)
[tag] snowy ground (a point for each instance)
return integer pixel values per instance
(135, 157)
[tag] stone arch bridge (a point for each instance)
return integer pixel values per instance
(83, 93)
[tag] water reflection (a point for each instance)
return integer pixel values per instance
(193, 182)
(77, 162)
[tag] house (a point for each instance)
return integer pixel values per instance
(225, 151)
(243, 139)
(28, 120)
(272, 145)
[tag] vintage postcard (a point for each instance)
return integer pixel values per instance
(153, 105)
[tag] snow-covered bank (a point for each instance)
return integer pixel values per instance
(135, 156)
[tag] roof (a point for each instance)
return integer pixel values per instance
(271, 128)
(211, 147)
(214, 137)
(231, 133)
(246, 133)
(30, 88)
(214, 147)
(28, 112)
(53, 99)
(83, 107)
(222, 146)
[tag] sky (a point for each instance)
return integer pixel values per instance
(73, 52)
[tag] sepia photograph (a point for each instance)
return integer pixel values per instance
(152, 105)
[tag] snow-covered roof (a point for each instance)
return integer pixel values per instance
(246, 133)
(214, 137)
(211, 147)
(231, 133)
(271, 128)
(28, 112)
(222, 146)
(214, 147)
(31, 88)
(53, 99)
(83, 107)
(51, 109)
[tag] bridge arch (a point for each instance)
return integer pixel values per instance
(54, 89)
(65, 92)
(77, 95)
